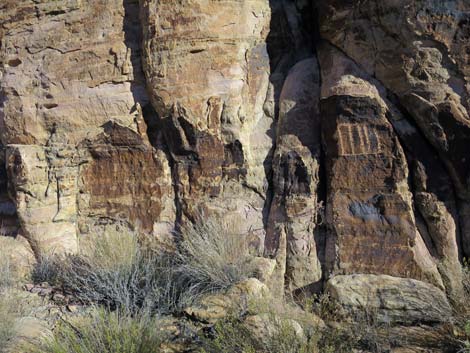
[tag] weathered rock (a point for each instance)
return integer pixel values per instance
(211, 308)
(126, 179)
(17, 256)
(265, 326)
(294, 208)
(391, 299)
(118, 114)
(44, 198)
(263, 268)
(417, 50)
(29, 329)
(8, 214)
(207, 70)
(73, 94)
(369, 204)
(250, 289)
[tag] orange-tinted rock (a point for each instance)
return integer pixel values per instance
(69, 70)
(207, 70)
(125, 179)
(369, 205)
(418, 51)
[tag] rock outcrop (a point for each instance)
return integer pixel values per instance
(391, 299)
(73, 130)
(369, 205)
(334, 133)
(418, 51)
(207, 69)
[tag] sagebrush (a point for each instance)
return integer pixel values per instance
(212, 258)
(116, 270)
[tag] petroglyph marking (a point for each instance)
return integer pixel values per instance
(358, 139)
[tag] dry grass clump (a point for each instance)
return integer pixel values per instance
(117, 271)
(211, 258)
(47, 268)
(6, 273)
(233, 334)
(9, 315)
(461, 332)
(112, 270)
(105, 331)
(134, 283)
(13, 307)
(9, 310)
(456, 335)
(466, 277)
(277, 326)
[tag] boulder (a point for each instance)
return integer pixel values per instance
(390, 299)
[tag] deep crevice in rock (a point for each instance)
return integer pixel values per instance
(420, 150)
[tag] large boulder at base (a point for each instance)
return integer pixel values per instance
(392, 299)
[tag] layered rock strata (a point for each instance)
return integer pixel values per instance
(332, 134)
(77, 155)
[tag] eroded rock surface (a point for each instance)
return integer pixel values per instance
(334, 133)
(294, 213)
(72, 125)
(419, 51)
(207, 70)
(391, 299)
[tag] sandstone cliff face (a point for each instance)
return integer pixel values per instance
(207, 70)
(73, 130)
(334, 134)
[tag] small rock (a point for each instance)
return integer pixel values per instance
(54, 311)
(251, 288)
(210, 308)
(36, 290)
(72, 308)
(28, 287)
(27, 329)
(57, 297)
(43, 292)
(267, 325)
(263, 268)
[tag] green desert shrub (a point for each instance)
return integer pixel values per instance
(105, 331)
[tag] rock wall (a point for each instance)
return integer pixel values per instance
(72, 121)
(334, 134)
